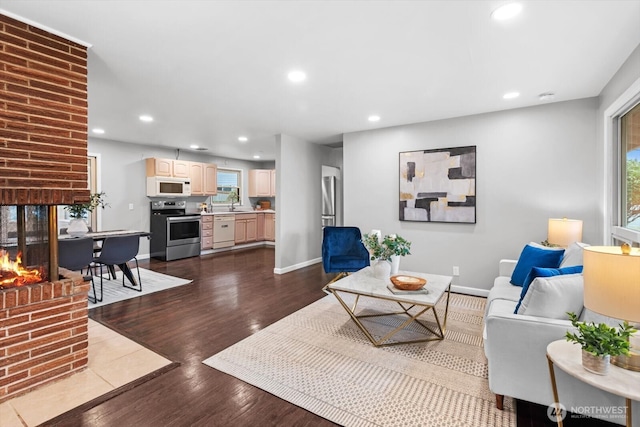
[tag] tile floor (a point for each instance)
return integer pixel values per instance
(114, 361)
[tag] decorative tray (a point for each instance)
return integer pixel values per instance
(408, 283)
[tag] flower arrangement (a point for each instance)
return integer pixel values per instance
(80, 210)
(384, 248)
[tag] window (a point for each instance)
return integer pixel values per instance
(622, 164)
(92, 218)
(229, 180)
(630, 169)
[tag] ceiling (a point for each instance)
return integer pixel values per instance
(211, 71)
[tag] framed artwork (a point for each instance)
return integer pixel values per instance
(438, 185)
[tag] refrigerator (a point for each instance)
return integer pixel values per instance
(328, 201)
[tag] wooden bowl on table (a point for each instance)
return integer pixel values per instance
(408, 283)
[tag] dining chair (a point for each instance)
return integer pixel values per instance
(119, 250)
(97, 246)
(76, 255)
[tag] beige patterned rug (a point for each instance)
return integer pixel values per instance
(319, 360)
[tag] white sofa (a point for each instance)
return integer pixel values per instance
(515, 347)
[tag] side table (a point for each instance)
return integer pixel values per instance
(568, 357)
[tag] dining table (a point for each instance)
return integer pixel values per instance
(99, 236)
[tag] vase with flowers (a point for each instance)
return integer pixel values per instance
(78, 212)
(387, 250)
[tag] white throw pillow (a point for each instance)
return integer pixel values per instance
(553, 297)
(573, 255)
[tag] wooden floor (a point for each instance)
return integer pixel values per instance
(233, 295)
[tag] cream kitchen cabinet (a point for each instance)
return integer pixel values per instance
(262, 183)
(204, 178)
(260, 227)
(246, 228)
(270, 227)
(167, 167)
(206, 236)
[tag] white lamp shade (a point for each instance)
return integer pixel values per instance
(563, 232)
(612, 282)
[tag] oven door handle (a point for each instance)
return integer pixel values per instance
(184, 219)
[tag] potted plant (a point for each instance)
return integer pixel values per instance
(599, 343)
(233, 198)
(387, 249)
(77, 225)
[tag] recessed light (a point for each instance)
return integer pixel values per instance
(145, 118)
(256, 156)
(511, 95)
(297, 76)
(374, 118)
(547, 96)
(506, 11)
(98, 131)
(194, 146)
(243, 139)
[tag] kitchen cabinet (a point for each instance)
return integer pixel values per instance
(270, 227)
(260, 227)
(262, 183)
(181, 168)
(206, 235)
(167, 167)
(210, 175)
(204, 178)
(273, 182)
(246, 228)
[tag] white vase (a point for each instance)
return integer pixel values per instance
(382, 269)
(395, 264)
(596, 364)
(77, 228)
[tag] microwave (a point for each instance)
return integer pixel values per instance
(162, 186)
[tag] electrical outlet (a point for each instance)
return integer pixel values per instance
(456, 270)
(130, 206)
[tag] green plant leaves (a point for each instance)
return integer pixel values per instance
(600, 339)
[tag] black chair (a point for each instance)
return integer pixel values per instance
(343, 251)
(118, 250)
(76, 255)
(97, 246)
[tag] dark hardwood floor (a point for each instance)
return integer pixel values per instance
(233, 295)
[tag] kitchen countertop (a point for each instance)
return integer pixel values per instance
(237, 212)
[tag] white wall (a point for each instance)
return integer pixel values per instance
(298, 201)
(123, 179)
(532, 164)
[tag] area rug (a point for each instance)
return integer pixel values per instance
(319, 360)
(152, 281)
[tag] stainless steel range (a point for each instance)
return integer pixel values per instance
(174, 233)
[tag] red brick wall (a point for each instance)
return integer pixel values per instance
(43, 117)
(43, 334)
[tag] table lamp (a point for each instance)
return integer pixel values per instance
(612, 288)
(563, 232)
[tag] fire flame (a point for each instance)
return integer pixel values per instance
(12, 274)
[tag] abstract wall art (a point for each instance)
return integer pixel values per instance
(438, 185)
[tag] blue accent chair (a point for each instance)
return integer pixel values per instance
(343, 251)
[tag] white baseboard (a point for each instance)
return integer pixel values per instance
(297, 266)
(470, 291)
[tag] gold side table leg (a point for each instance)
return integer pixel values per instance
(554, 387)
(628, 404)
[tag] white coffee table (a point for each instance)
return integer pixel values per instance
(413, 305)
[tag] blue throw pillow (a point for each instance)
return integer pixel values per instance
(535, 256)
(544, 272)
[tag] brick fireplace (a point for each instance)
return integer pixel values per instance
(43, 163)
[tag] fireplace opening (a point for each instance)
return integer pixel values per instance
(24, 245)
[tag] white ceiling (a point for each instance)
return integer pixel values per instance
(210, 71)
